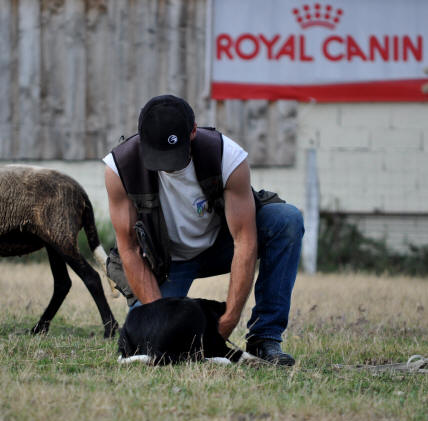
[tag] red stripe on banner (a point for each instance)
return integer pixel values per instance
(396, 90)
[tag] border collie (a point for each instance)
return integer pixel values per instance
(173, 330)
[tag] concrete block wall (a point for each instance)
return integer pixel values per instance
(371, 157)
(372, 161)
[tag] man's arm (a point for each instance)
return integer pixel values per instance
(123, 217)
(241, 219)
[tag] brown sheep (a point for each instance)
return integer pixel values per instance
(44, 208)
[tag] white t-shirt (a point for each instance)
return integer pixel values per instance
(191, 228)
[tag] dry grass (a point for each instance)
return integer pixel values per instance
(346, 298)
(354, 318)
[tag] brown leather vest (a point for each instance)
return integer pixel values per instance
(142, 187)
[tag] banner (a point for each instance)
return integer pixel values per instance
(324, 50)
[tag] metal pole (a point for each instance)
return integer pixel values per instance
(311, 213)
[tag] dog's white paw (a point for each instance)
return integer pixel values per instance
(247, 357)
(145, 359)
(219, 360)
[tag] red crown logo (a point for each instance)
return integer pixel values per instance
(317, 15)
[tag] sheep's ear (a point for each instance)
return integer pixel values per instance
(216, 308)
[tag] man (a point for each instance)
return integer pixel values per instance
(201, 242)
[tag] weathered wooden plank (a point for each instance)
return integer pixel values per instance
(5, 78)
(75, 80)
(120, 83)
(53, 83)
(176, 23)
(265, 129)
(255, 131)
(28, 139)
(281, 135)
(196, 60)
(148, 27)
(230, 119)
(96, 74)
(77, 73)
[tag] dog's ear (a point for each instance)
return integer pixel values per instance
(215, 308)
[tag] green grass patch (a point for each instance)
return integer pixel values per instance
(72, 373)
(342, 247)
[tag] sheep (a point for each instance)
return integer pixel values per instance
(44, 208)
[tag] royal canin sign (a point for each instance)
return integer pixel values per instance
(390, 48)
(324, 50)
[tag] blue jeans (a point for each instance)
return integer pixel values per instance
(279, 234)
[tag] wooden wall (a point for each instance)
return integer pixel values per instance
(75, 73)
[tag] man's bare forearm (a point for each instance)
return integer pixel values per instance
(123, 217)
(241, 281)
(241, 220)
(140, 278)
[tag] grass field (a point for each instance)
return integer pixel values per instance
(72, 374)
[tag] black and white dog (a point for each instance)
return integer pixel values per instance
(173, 330)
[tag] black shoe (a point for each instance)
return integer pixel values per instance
(269, 350)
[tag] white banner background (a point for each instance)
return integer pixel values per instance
(399, 28)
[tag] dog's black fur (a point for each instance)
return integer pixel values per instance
(172, 330)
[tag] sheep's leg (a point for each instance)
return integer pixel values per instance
(62, 284)
(93, 282)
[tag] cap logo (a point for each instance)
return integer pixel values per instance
(173, 139)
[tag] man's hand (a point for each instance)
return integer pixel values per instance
(226, 324)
